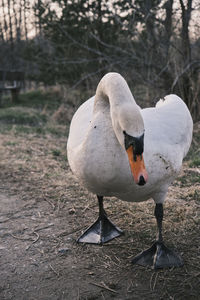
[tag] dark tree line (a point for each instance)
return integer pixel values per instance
(155, 44)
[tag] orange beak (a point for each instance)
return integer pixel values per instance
(137, 167)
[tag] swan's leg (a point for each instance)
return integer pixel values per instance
(158, 255)
(102, 231)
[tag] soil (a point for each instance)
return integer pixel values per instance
(44, 210)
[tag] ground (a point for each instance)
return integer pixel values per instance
(44, 210)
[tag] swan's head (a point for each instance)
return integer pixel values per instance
(128, 125)
(135, 147)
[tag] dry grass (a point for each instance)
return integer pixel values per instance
(34, 167)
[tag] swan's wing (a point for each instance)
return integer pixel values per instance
(80, 124)
(169, 126)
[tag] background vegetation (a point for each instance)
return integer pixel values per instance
(154, 44)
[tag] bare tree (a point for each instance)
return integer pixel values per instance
(15, 16)
(186, 81)
(19, 27)
(168, 6)
(186, 17)
(1, 33)
(5, 27)
(10, 22)
(25, 19)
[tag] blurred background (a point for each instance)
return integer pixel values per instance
(70, 45)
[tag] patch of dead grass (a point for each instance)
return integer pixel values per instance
(30, 169)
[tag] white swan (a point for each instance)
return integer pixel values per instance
(117, 149)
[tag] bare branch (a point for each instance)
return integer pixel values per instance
(183, 72)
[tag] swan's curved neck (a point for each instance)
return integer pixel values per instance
(113, 90)
(113, 94)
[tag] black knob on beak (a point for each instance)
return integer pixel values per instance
(141, 181)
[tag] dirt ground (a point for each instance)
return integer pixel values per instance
(43, 210)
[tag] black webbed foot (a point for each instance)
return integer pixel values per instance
(158, 256)
(102, 231)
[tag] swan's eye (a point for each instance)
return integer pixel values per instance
(136, 142)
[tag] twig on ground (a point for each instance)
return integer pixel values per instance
(5, 220)
(33, 242)
(65, 233)
(78, 296)
(103, 296)
(52, 205)
(104, 286)
(152, 287)
(19, 238)
(57, 273)
(45, 227)
(37, 238)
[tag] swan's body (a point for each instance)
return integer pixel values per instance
(101, 164)
(96, 151)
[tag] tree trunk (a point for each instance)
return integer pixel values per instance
(168, 24)
(185, 17)
(4, 20)
(185, 80)
(25, 21)
(10, 23)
